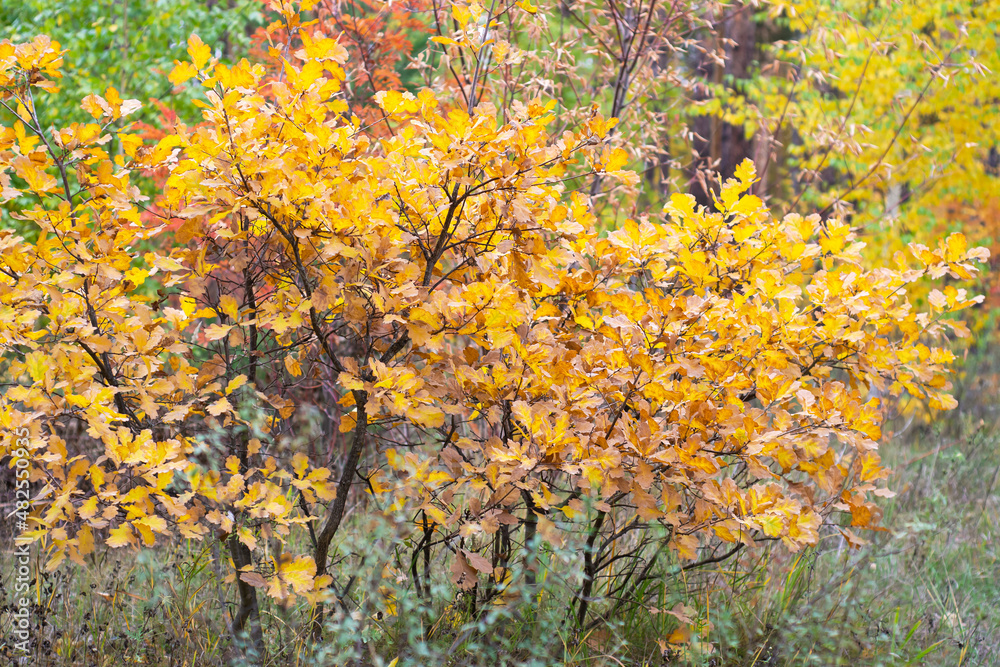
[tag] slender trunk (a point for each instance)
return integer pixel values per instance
(248, 612)
(530, 531)
(336, 514)
(589, 570)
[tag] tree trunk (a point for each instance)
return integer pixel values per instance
(340, 502)
(248, 611)
(718, 146)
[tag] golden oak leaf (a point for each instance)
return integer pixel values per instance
(220, 406)
(771, 524)
(292, 366)
(88, 509)
(746, 172)
(199, 52)
(236, 383)
(181, 72)
(96, 106)
(295, 574)
(120, 536)
(85, 541)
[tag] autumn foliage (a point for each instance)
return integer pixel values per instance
(491, 363)
(378, 38)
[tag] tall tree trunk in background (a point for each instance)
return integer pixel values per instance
(718, 146)
(226, 42)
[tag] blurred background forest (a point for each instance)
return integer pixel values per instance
(883, 113)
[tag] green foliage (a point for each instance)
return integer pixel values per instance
(130, 45)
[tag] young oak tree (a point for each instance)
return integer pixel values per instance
(507, 374)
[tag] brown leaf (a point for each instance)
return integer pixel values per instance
(462, 574)
(478, 562)
(254, 579)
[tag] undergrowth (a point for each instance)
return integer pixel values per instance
(924, 591)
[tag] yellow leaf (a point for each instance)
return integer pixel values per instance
(88, 509)
(247, 538)
(681, 205)
(148, 538)
(686, 546)
(163, 263)
(681, 635)
(347, 423)
(616, 160)
(36, 364)
(746, 172)
(188, 305)
(771, 524)
(461, 14)
(299, 464)
(220, 406)
(293, 366)
(229, 306)
(153, 522)
(182, 72)
(297, 573)
(120, 536)
(956, 245)
(199, 51)
(85, 541)
(96, 106)
(236, 383)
